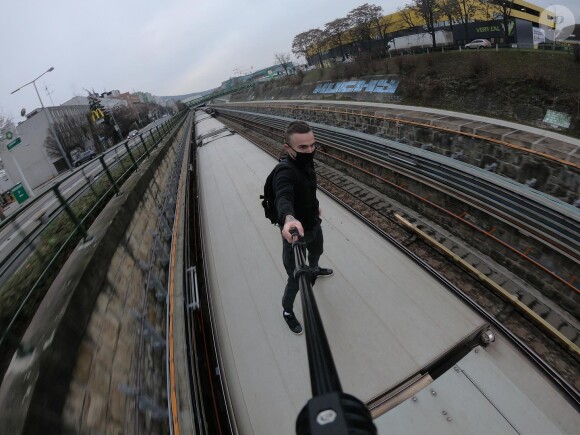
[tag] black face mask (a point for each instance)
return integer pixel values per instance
(304, 159)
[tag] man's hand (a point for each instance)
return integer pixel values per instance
(289, 223)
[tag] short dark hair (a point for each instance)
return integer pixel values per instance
(296, 127)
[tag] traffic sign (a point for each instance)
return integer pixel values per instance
(19, 192)
(8, 135)
(13, 143)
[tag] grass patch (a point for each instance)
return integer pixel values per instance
(51, 249)
(516, 85)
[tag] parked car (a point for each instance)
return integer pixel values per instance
(132, 133)
(83, 157)
(478, 43)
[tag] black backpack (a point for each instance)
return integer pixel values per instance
(269, 197)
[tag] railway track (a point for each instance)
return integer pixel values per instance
(556, 224)
(526, 231)
(558, 357)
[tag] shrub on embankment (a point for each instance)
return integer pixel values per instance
(517, 85)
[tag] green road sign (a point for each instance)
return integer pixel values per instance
(13, 143)
(19, 193)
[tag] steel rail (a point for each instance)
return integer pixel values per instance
(544, 223)
(559, 226)
(570, 393)
(564, 386)
(359, 112)
(555, 223)
(563, 229)
(512, 216)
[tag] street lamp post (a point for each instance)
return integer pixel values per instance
(116, 125)
(33, 82)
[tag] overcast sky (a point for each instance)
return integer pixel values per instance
(167, 47)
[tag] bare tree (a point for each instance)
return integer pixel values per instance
(336, 30)
(282, 59)
(383, 25)
(502, 10)
(450, 10)
(73, 133)
(318, 39)
(365, 23)
(466, 11)
(6, 125)
(125, 119)
(410, 20)
(422, 14)
(300, 45)
(309, 43)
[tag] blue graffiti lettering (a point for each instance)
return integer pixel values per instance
(387, 86)
(320, 89)
(349, 86)
(369, 87)
(333, 88)
(376, 86)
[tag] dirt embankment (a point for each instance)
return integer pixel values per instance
(515, 85)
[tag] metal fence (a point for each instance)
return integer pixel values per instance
(38, 238)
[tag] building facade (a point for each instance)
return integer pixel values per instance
(29, 162)
(528, 25)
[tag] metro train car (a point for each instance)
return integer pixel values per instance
(418, 357)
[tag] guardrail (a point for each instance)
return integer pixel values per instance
(39, 237)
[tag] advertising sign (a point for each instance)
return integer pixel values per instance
(539, 35)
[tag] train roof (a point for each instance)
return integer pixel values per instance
(385, 319)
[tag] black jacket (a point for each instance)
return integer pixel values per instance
(295, 190)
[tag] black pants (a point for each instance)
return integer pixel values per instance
(314, 246)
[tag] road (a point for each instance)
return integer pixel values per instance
(45, 202)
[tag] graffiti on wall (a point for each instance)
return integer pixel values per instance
(371, 86)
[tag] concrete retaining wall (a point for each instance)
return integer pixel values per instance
(440, 132)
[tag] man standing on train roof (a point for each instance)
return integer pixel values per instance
(297, 205)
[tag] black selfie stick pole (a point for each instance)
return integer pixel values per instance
(330, 411)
